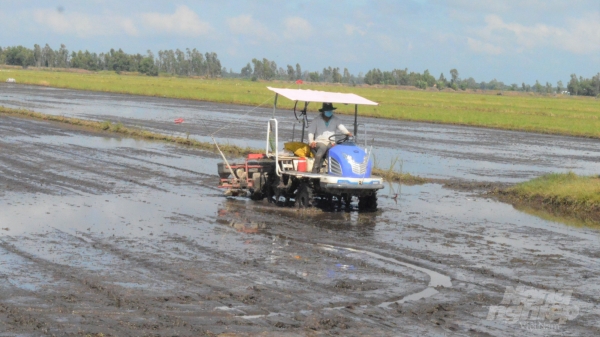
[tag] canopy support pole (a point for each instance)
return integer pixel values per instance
(355, 120)
(304, 120)
(275, 104)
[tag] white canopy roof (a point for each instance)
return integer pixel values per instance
(321, 96)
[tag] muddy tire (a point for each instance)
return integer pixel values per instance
(367, 202)
(348, 201)
(257, 196)
(270, 194)
(304, 196)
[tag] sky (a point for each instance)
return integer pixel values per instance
(513, 41)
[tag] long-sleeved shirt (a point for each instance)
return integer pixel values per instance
(322, 130)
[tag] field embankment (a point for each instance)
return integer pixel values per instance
(559, 194)
(576, 116)
(229, 150)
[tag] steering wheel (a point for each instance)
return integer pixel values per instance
(339, 138)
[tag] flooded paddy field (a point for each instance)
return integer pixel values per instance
(425, 149)
(107, 235)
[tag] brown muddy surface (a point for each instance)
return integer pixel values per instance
(101, 235)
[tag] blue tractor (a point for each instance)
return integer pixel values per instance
(282, 177)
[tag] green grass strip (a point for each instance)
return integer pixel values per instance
(561, 195)
(561, 189)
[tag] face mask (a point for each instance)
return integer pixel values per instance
(328, 113)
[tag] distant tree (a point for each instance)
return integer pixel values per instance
(326, 75)
(573, 86)
(148, 67)
(19, 56)
(373, 76)
(291, 73)
(313, 76)
(469, 83)
(258, 68)
(346, 77)
(427, 77)
(336, 77)
(281, 73)
(37, 55)
(213, 65)
(454, 75)
(298, 71)
(118, 61)
(494, 85)
(62, 57)
(421, 84)
(549, 88)
(442, 78)
(246, 71)
(559, 87)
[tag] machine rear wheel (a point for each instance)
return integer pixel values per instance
(368, 202)
(304, 197)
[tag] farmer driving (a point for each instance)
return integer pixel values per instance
(319, 131)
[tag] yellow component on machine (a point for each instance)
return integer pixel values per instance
(299, 149)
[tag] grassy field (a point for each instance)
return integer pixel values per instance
(560, 193)
(578, 116)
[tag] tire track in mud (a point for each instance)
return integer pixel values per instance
(170, 272)
(115, 153)
(167, 272)
(52, 304)
(436, 279)
(32, 127)
(46, 177)
(143, 169)
(111, 296)
(284, 237)
(98, 172)
(17, 318)
(177, 179)
(17, 184)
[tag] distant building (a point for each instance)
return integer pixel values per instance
(565, 92)
(11, 80)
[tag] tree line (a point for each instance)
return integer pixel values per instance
(175, 62)
(194, 63)
(266, 69)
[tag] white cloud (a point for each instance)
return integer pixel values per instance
(246, 25)
(84, 25)
(351, 30)
(580, 36)
(183, 22)
(483, 47)
(297, 28)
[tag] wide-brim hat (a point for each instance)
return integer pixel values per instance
(327, 107)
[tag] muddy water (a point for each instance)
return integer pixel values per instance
(437, 151)
(125, 237)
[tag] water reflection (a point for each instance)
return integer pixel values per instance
(572, 221)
